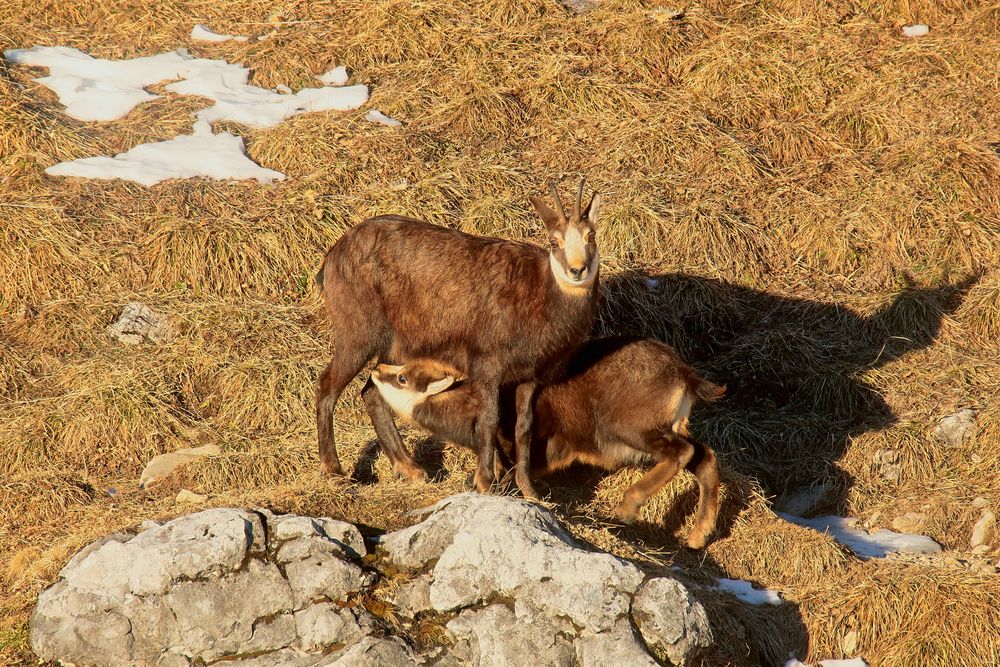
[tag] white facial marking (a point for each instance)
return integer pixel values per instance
(574, 246)
(402, 401)
(568, 284)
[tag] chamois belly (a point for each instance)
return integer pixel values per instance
(609, 455)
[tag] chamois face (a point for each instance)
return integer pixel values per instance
(404, 387)
(573, 252)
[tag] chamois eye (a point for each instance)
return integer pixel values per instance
(401, 379)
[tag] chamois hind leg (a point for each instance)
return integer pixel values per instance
(673, 452)
(380, 413)
(347, 362)
(705, 468)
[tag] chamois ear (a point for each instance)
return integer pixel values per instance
(593, 208)
(387, 369)
(438, 386)
(553, 222)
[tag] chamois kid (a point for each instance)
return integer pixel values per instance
(623, 401)
(508, 312)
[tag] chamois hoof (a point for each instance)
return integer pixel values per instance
(330, 469)
(409, 472)
(697, 540)
(529, 492)
(627, 515)
(483, 483)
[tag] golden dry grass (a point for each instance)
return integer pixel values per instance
(818, 198)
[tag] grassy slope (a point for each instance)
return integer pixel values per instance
(820, 198)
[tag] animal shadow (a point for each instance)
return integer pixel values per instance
(428, 451)
(794, 367)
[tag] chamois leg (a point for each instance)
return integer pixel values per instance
(705, 468)
(380, 413)
(524, 399)
(674, 453)
(347, 362)
(486, 435)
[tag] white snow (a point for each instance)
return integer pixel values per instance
(915, 30)
(745, 591)
(850, 662)
(238, 101)
(335, 77)
(376, 116)
(218, 156)
(205, 34)
(98, 89)
(879, 544)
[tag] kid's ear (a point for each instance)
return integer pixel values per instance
(553, 222)
(438, 386)
(590, 213)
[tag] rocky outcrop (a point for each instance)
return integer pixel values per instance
(502, 577)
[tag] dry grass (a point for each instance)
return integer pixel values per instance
(817, 198)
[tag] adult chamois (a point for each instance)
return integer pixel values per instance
(508, 312)
(623, 401)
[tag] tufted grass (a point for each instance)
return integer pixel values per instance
(815, 199)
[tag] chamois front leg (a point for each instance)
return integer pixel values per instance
(486, 435)
(524, 397)
(379, 412)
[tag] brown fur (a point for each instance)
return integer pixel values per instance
(619, 404)
(399, 288)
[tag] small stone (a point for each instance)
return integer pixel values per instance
(161, 466)
(888, 464)
(806, 500)
(957, 428)
(981, 531)
(915, 30)
(414, 596)
(139, 323)
(186, 496)
(849, 642)
(981, 549)
(911, 522)
(671, 620)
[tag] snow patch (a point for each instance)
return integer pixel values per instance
(915, 30)
(335, 77)
(97, 89)
(745, 591)
(203, 33)
(879, 544)
(219, 156)
(376, 116)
